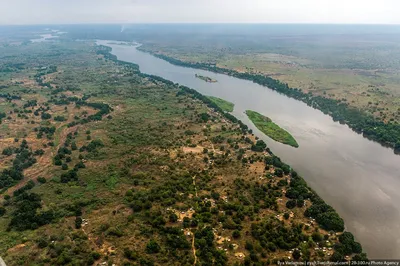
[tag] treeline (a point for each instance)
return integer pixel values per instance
(387, 134)
(10, 97)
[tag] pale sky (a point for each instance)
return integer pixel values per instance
(199, 11)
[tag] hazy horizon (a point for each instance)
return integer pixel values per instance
(50, 12)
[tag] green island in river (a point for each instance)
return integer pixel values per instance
(223, 104)
(271, 129)
(206, 79)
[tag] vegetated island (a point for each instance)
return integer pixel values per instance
(271, 129)
(223, 104)
(206, 79)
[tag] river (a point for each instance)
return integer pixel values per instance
(358, 177)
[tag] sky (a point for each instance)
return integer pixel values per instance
(199, 11)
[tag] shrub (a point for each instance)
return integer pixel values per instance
(41, 179)
(152, 247)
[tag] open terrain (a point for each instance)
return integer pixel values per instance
(101, 165)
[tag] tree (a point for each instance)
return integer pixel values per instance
(291, 204)
(173, 218)
(278, 172)
(296, 254)
(317, 237)
(236, 234)
(78, 222)
(41, 179)
(8, 151)
(2, 211)
(152, 247)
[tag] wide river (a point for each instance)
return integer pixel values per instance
(358, 177)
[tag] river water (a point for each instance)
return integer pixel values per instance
(358, 177)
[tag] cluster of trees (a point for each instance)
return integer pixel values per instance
(348, 246)
(49, 131)
(27, 215)
(92, 146)
(273, 234)
(25, 188)
(45, 116)
(325, 215)
(30, 103)
(206, 249)
(23, 160)
(9, 97)
(385, 133)
(59, 118)
(260, 146)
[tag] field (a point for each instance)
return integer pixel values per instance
(101, 165)
(225, 105)
(271, 129)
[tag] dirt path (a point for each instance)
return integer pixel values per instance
(194, 184)
(193, 247)
(43, 164)
(194, 251)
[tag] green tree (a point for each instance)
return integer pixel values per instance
(152, 247)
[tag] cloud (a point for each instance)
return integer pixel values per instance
(256, 11)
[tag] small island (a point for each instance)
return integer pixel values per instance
(271, 129)
(206, 79)
(223, 104)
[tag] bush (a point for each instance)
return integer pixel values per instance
(152, 247)
(236, 234)
(59, 118)
(8, 151)
(2, 211)
(45, 116)
(78, 222)
(291, 204)
(41, 179)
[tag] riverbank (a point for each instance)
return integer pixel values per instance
(387, 135)
(223, 104)
(271, 129)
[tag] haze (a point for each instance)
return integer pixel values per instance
(195, 11)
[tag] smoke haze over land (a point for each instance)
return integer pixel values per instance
(194, 11)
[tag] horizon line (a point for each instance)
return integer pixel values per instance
(202, 23)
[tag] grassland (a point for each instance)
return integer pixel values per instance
(271, 129)
(159, 178)
(223, 104)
